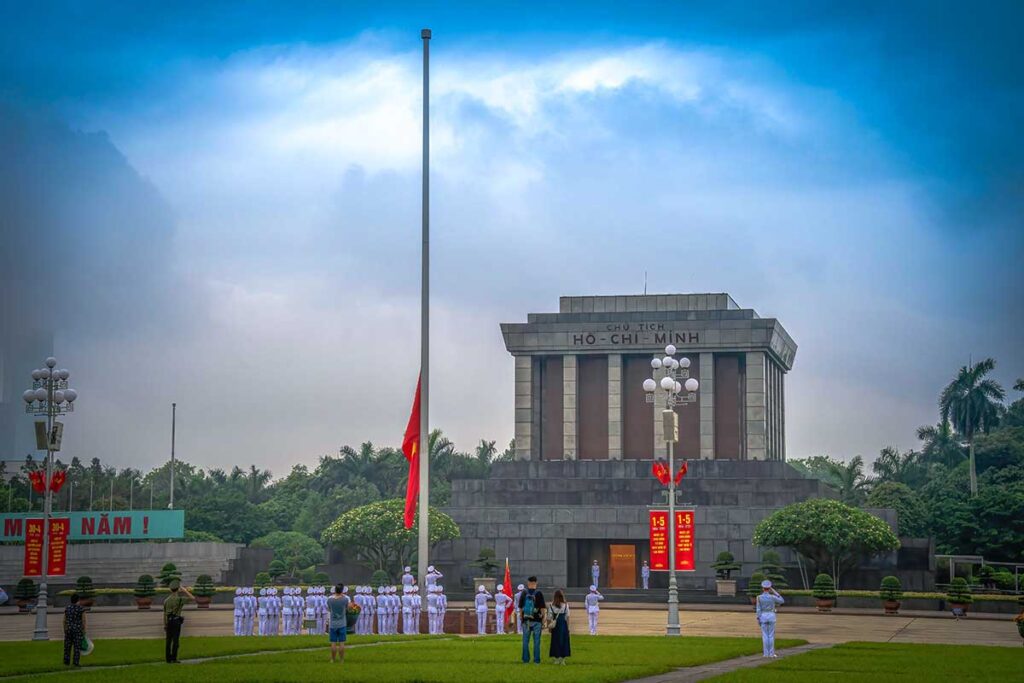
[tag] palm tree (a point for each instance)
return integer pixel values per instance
(849, 480)
(257, 480)
(1018, 385)
(485, 451)
(891, 465)
(940, 444)
(972, 403)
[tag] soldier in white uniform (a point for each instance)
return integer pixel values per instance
(442, 608)
(408, 598)
(321, 626)
(275, 612)
(593, 609)
(502, 603)
(432, 609)
(262, 612)
(239, 611)
(645, 575)
(595, 573)
(407, 578)
(432, 576)
(765, 606)
(520, 589)
(250, 610)
(482, 597)
(286, 611)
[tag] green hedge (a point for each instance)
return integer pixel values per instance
(907, 595)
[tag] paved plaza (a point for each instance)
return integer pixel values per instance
(851, 625)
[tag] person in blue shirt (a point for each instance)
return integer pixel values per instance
(766, 604)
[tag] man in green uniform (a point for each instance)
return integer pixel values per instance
(173, 619)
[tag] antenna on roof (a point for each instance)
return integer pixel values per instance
(645, 283)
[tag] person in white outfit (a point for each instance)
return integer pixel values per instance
(442, 607)
(432, 576)
(593, 608)
(765, 607)
(406, 602)
(417, 608)
(407, 578)
(595, 572)
(502, 603)
(432, 610)
(262, 612)
(482, 597)
(645, 575)
(239, 603)
(251, 614)
(520, 589)
(287, 605)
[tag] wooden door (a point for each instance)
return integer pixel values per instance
(622, 567)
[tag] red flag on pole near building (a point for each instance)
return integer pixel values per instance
(507, 587)
(410, 447)
(681, 473)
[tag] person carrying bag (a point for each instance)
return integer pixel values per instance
(558, 617)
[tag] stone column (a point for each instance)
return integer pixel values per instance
(706, 401)
(569, 407)
(524, 407)
(755, 403)
(614, 406)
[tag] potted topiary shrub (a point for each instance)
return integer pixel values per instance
(145, 589)
(262, 580)
(321, 579)
(168, 573)
(25, 592)
(754, 586)
(487, 566)
(891, 592)
(86, 591)
(724, 566)
(824, 592)
(276, 570)
(959, 595)
(987, 577)
(204, 591)
(380, 578)
(771, 567)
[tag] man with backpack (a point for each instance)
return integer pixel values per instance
(532, 609)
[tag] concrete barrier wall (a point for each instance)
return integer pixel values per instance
(120, 564)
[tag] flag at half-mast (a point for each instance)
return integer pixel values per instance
(411, 449)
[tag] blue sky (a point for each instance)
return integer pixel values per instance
(853, 170)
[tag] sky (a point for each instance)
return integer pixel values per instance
(225, 199)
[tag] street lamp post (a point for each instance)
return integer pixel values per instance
(49, 396)
(679, 389)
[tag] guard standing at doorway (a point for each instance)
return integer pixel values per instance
(595, 573)
(645, 575)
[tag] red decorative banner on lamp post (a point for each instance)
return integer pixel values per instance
(57, 562)
(33, 547)
(659, 540)
(684, 541)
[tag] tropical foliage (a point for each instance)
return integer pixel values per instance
(295, 550)
(376, 535)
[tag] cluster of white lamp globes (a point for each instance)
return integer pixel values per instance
(50, 391)
(674, 371)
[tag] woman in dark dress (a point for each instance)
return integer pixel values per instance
(74, 629)
(558, 618)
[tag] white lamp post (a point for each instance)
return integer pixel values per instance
(49, 396)
(679, 389)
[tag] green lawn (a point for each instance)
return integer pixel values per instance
(35, 657)
(881, 662)
(460, 660)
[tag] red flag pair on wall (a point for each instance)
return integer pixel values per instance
(38, 479)
(661, 472)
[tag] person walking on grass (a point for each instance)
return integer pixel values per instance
(74, 631)
(532, 609)
(558, 618)
(173, 620)
(766, 604)
(337, 607)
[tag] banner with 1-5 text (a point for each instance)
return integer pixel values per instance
(683, 538)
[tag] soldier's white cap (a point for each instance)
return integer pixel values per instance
(430, 568)
(238, 591)
(263, 591)
(408, 569)
(593, 589)
(481, 589)
(520, 587)
(766, 584)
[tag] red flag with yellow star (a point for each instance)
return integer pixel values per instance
(411, 449)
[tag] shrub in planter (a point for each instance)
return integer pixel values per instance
(86, 591)
(168, 573)
(959, 594)
(262, 580)
(1004, 580)
(276, 569)
(203, 590)
(771, 567)
(754, 586)
(824, 592)
(321, 579)
(306, 575)
(24, 592)
(724, 566)
(380, 578)
(891, 592)
(145, 589)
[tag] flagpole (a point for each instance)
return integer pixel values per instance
(424, 447)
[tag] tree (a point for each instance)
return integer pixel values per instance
(903, 468)
(377, 535)
(972, 403)
(169, 573)
(850, 481)
(772, 569)
(724, 565)
(940, 445)
(296, 550)
(821, 467)
(277, 569)
(832, 535)
(913, 515)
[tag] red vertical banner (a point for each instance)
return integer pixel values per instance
(684, 541)
(57, 562)
(659, 540)
(33, 547)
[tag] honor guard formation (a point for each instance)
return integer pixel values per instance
(286, 612)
